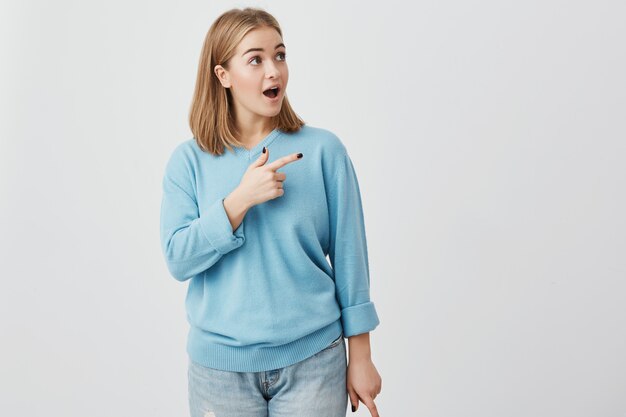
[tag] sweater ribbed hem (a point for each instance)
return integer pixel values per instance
(246, 359)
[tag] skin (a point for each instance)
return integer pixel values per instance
(248, 75)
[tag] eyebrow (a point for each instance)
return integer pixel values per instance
(263, 50)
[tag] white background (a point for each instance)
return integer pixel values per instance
(489, 141)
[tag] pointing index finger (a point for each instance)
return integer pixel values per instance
(281, 162)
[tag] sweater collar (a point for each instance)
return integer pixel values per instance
(258, 148)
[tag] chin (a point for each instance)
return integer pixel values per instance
(271, 113)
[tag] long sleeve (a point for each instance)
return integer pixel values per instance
(191, 241)
(348, 251)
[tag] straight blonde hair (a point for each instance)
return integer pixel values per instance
(210, 115)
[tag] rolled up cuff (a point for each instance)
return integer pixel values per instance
(218, 231)
(358, 319)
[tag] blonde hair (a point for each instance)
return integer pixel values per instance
(210, 115)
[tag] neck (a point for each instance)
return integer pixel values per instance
(252, 130)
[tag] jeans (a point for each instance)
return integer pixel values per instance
(315, 386)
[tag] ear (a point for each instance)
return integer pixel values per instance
(222, 76)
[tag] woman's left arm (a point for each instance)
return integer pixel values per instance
(363, 381)
(349, 258)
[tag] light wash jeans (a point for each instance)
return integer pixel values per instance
(314, 387)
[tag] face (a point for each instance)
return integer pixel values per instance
(258, 64)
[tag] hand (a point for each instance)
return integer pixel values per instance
(364, 383)
(261, 182)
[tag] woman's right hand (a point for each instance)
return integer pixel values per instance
(261, 182)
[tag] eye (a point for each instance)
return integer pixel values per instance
(256, 57)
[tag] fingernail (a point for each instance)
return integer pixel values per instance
(353, 408)
(299, 155)
(264, 149)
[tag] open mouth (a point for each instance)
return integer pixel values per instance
(272, 92)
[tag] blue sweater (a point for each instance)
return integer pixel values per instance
(264, 296)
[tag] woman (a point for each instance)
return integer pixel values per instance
(267, 312)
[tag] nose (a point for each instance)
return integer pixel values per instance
(271, 71)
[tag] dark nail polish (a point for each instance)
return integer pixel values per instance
(299, 155)
(264, 149)
(353, 409)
